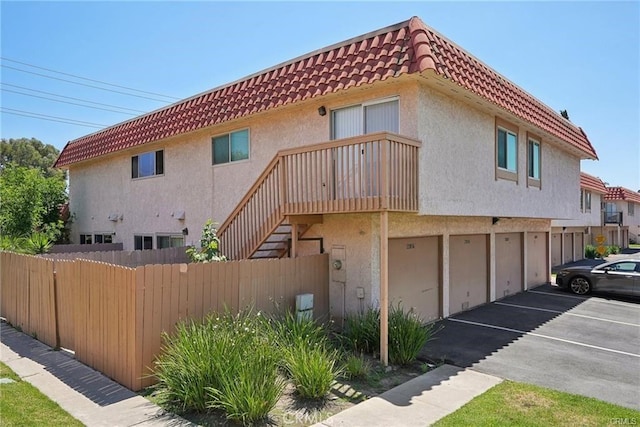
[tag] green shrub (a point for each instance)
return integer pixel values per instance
(289, 329)
(362, 331)
(356, 366)
(312, 368)
(407, 335)
(228, 362)
(590, 252)
(613, 249)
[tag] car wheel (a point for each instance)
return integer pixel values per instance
(580, 286)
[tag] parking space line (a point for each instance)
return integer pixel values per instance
(558, 295)
(567, 313)
(502, 328)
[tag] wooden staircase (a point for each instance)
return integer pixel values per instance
(368, 173)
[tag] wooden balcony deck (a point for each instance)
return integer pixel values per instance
(368, 173)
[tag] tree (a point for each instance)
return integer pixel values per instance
(30, 153)
(30, 201)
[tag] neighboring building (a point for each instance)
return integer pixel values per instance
(621, 216)
(569, 237)
(410, 161)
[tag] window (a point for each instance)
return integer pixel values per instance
(142, 242)
(630, 208)
(169, 241)
(86, 239)
(147, 164)
(626, 266)
(533, 160)
(230, 147)
(587, 201)
(103, 238)
(376, 116)
(507, 151)
(582, 200)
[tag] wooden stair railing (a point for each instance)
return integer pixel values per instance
(367, 173)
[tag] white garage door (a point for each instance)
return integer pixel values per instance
(468, 272)
(508, 264)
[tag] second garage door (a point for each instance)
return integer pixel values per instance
(556, 249)
(508, 264)
(468, 272)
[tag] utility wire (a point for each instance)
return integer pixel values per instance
(47, 117)
(67, 102)
(51, 120)
(71, 97)
(83, 84)
(87, 79)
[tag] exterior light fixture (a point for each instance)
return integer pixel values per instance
(322, 111)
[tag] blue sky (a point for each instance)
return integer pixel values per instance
(578, 56)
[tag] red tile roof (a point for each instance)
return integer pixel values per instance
(592, 183)
(406, 48)
(621, 193)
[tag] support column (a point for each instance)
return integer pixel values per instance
(294, 241)
(384, 288)
(549, 255)
(445, 275)
(561, 248)
(492, 266)
(525, 261)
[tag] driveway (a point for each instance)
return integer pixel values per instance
(582, 345)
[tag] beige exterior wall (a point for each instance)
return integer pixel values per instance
(359, 236)
(583, 218)
(458, 166)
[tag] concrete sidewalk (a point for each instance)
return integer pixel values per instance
(85, 393)
(419, 402)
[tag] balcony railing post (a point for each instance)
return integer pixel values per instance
(282, 188)
(384, 174)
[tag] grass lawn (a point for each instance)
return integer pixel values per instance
(511, 403)
(634, 246)
(21, 404)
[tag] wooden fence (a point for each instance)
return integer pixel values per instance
(113, 316)
(129, 258)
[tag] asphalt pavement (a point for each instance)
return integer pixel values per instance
(583, 345)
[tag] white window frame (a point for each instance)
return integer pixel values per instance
(170, 236)
(213, 163)
(143, 236)
(102, 236)
(363, 106)
(630, 209)
(587, 201)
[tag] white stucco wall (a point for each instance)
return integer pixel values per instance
(592, 218)
(457, 174)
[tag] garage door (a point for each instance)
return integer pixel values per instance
(537, 272)
(556, 249)
(579, 239)
(568, 248)
(468, 273)
(508, 264)
(414, 275)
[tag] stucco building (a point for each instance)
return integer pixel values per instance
(419, 168)
(621, 216)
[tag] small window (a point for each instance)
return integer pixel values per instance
(230, 147)
(630, 208)
(533, 157)
(147, 164)
(506, 151)
(587, 201)
(103, 238)
(582, 200)
(86, 239)
(170, 241)
(143, 242)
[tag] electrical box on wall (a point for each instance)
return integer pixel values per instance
(338, 263)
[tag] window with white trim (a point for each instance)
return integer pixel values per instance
(630, 208)
(103, 238)
(142, 242)
(147, 164)
(587, 201)
(375, 116)
(230, 147)
(169, 241)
